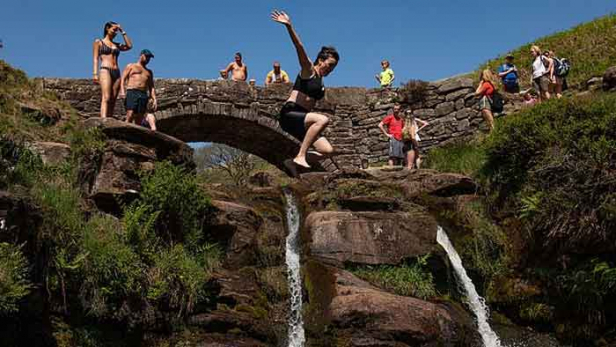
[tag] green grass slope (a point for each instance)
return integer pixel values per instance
(591, 48)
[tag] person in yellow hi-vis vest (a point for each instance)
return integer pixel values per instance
(386, 77)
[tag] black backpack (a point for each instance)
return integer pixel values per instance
(498, 103)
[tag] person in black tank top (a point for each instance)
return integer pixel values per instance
(106, 53)
(296, 116)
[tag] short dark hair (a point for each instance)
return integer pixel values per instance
(107, 26)
(238, 54)
(327, 52)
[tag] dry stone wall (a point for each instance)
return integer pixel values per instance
(246, 117)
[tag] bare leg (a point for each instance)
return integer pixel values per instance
(323, 150)
(151, 121)
(106, 91)
(129, 116)
(114, 96)
(315, 123)
(487, 116)
(410, 159)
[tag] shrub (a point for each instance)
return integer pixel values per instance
(556, 164)
(14, 283)
(413, 92)
(412, 279)
(111, 271)
(177, 278)
(181, 205)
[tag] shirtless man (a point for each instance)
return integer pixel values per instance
(239, 71)
(137, 80)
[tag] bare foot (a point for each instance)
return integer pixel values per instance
(301, 162)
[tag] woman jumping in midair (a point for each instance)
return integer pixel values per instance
(108, 77)
(296, 117)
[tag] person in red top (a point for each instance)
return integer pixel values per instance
(485, 91)
(397, 148)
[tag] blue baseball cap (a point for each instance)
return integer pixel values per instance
(147, 53)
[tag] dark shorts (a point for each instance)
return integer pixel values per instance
(137, 101)
(511, 86)
(541, 84)
(292, 117)
(399, 149)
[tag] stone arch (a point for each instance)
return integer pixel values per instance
(245, 128)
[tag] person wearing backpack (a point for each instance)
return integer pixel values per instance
(486, 91)
(508, 73)
(560, 71)
(541, 72)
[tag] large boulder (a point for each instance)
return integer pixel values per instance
(370, 317)
(235, 226)
(129, 149)
(609, 79)
(370, 237)
(51, 153)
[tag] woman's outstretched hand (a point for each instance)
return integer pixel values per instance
(281, 17)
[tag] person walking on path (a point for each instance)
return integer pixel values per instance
(296, 116)
(277, 75)
(386, 77)
(239, 70)
(540, 76)
(106, 52)
(137, 81)
(508, 73)
(558, 82)
(485, 91)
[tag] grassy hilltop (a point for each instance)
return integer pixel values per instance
(591, 48)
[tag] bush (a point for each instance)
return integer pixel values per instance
(413, 92)
(556, 164)
(408, 279)
(111, 271)
(181, 205)
(14, 283)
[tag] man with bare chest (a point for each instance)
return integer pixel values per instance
(239, 71)
(137, 81)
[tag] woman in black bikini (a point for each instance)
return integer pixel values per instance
(108, 77)
(296, 117)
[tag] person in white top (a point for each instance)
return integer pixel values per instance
(541, 70)
(414, 158)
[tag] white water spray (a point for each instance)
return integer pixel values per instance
(476, 303)
(296, 323)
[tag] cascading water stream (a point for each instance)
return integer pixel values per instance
(476, 302)
(296, 323)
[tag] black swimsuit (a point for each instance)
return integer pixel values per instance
(105, 50)
(292, 115)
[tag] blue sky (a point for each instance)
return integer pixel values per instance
(423, 39)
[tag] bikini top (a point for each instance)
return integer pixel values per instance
(103, 49)
(313, 86)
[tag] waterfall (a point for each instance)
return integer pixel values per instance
(476, 303)
(296, 324)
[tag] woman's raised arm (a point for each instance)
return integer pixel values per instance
(304, 61)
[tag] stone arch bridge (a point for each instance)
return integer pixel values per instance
(245, 117)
